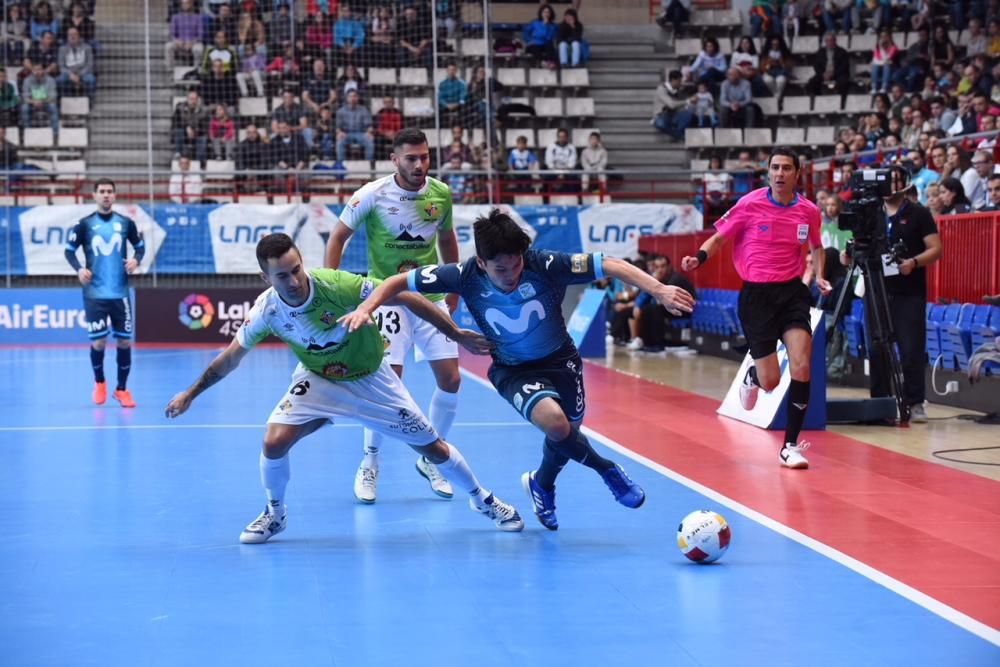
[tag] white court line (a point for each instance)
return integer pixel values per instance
(932, 605)
(140, 427)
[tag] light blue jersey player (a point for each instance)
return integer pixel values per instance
(104, 236)
(515, 295)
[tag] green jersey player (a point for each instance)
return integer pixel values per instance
(407, 217)
(340, 374)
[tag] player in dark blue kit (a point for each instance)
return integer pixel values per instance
(515, 295)
(103, 235)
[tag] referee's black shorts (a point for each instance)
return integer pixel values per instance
(768, 310)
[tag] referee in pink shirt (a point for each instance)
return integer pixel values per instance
(769, 227)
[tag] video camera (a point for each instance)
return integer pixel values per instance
(862, 215)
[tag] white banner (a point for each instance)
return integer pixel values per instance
(614, 229)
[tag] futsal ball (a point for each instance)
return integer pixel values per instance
(703, 536)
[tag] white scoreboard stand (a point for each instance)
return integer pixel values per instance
(771, 411)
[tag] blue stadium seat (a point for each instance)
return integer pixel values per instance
(985, 327)
(936, 332)
(935, 313)
(956, 339)
(855, 325)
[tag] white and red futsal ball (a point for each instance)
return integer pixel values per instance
(703, 536)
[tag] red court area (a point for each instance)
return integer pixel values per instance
(931, 527)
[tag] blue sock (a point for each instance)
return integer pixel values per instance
(97, 363)
(124, 366)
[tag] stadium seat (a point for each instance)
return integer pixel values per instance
(74, 106)
(546, 137)
(758, 136)
(697, 137)
(512, 77)
(854, 326)
(768, 106)
(564, 200)
(38, 137)
(863, 43)
(729, 137)
(936, 333)
(687, 46)
(252, 107)
(581, 136)
(415, 77)
(796, 105)
(71, 170)
(33, 200)
(826, 104)
(473, 48)
(72, 137)
(528, 200)
(698, 165)
(549, 107)
(791, 136)
(384, 168)
(580, 107)
(180, 71)
(542, 78)
(575, 77)
(14, 135)
(512, 133)
(956, 339)
(805, 45)
(821, 135)
(417, 106)
(220, 170)
(858, 103)
(382, 76)
(901, 39)
(478, 136)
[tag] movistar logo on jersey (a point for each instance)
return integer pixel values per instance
(520, 324)
(112, 246)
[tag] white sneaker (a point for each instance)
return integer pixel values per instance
(917, 414)
(635, 344)
(264, 527)
(430, 472)
(748, 392)
(505, 516)
(791, 455)
(365, 481)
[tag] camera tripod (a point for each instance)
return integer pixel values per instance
(882, 338)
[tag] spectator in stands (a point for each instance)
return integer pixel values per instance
(993, 186)
(478, 87)
(354, 126)
(76, 65)
(289, 152)
(675, 12)
(222, 51)
(38, 93)
(883, 57)
(414, 39)
(649, 318)
(937, 118)
(280, 29)
(253, 154)
(252, 67)
(561, 156)
(189, 127)
(716, 184)
(942, 50)
(222, 133)
(185, 185)
(350, 80)
(569, 37)
(736, 101)
(388, 122)
(956, 163)
(460, 149)
(776, 65)
(976, 41)
(937, 159)
(319, 38)
(673, 110)
(970, 109)
(974, 181)
(452, 96)
(540, 35)
(830, 232)
(16, 35)
(832, 66)
(382, 39)
(250, 35)
(292, 113)
(10, 101)
(987, 124)
(448, 14)
(934, 203)
(326, 133)
(745, 59)
(953, 199)
(220, 88)
(993, 33)
(455, 174)
(348, 37)
(9, 160)
(842, 10)
(710, 64)
(922, 174)
(77, 18)
(593, 160)
(225, 22)
(43, 20)
(317, 91)
(45, 52)
(916, 63)
(187, 32)
(765, 17)
(703, 103)
(522, 163)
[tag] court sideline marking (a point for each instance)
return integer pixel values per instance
(128, 427)
(929, 603)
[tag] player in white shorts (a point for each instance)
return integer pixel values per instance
(407, 217)
(340, 374)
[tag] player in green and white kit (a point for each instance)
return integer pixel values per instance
(339, 374)
(407, 217)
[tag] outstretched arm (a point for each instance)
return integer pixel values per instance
(674, 299)
(362, 315)
(709, 247)
(220, 367)
(426, 310)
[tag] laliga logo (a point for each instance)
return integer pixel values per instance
(196, 311)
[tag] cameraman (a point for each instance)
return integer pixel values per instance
(908, 222)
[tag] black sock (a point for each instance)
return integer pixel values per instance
(552, 464)
(578, 448)
(124, 366)
(753, 376)
(798, 401)
(97, 363)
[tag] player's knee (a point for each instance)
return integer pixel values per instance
(99, 343)
(276, 445)
(768, 381)
(450, 383)
(558, 429)
(799, 368)
(123, 342)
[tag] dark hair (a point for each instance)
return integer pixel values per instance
(497, 234)
(675, 74)
(104, 181)
(753, 47)
(409, 136)
(710, 40)
(571, 12)
(541, 11)
(273, 246)
(993, 177)
(955, 186)
(787, 152)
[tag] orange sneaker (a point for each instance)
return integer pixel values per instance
(124, 396)
(100, 392)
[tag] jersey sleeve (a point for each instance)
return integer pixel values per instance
(734, 220)
(570, 269)
(358, 208)
(135, 238)
(436, 278)
(447, 223)
(815, 223)
(255, 327)
(73, 241)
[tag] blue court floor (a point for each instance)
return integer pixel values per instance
(120, 548)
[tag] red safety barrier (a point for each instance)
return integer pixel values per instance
(720, 272)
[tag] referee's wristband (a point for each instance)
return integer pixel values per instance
(702, 257)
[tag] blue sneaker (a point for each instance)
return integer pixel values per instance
(543, 501)
(627, 492)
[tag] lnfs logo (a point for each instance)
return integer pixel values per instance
(196, 311)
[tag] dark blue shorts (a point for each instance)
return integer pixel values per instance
(559, 375)
(99, 311)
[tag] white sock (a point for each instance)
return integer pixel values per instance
(373, 441)
(274, 475)
(444, 405)
(459, 472)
